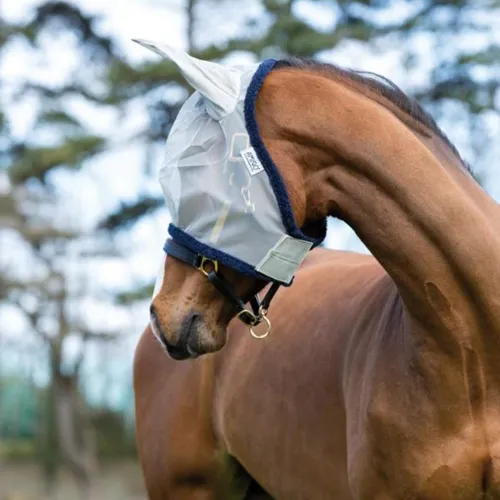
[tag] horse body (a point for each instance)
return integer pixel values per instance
(393, 418)
(380, 380)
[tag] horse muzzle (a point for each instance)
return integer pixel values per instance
(190, 342)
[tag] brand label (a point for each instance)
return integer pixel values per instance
(252, 162)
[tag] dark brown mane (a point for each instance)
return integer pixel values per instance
(380, 85)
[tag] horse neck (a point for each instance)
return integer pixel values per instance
(402, 190)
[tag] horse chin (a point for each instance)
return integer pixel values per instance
(205, 340)
(181, 351)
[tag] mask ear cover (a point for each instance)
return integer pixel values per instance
(219, 85)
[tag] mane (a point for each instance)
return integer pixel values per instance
(379, 85)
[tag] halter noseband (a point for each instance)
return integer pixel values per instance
(251, 318)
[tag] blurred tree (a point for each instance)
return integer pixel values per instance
(32, 218)
(50, 305)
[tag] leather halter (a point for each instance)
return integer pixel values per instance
(210, 268)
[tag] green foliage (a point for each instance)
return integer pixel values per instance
(66, 17)
(129, 213)
(38, 162)
(127, 82)
(143, 292)
(59, 118)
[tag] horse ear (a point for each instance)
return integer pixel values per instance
(219, 85)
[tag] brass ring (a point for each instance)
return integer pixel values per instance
(266, 333)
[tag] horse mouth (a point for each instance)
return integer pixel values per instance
(186, 347)
(179, 353)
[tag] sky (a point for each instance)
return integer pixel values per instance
(118, 175)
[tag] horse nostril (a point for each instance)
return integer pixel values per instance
(189, 331)
(193, 317)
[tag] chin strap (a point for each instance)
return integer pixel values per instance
(210, 268)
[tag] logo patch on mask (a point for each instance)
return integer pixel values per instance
(252, 162)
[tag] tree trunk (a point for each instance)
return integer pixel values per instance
(49, 444)
(76, 434)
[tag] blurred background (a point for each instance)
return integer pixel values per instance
(84, 113)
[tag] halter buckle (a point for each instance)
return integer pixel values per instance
(248, 317)
(203, 261)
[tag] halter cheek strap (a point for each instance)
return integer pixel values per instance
(210, 268)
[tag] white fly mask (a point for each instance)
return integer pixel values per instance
(226, 197)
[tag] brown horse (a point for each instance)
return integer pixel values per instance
(380, 379)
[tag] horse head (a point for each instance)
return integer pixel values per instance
(308, 140)
(235, 227)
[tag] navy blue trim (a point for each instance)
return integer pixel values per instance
(275, 179)
(194, 245)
